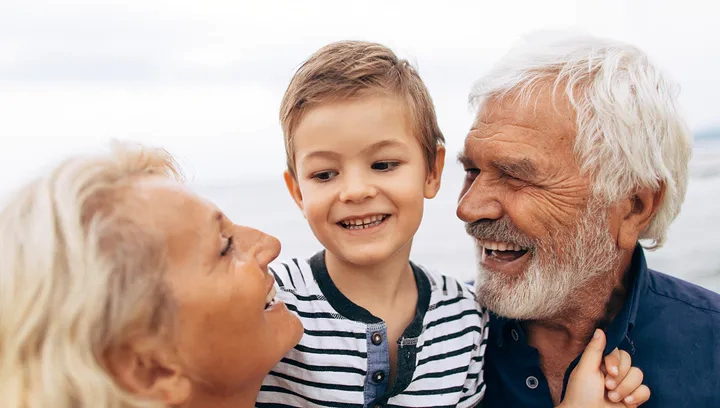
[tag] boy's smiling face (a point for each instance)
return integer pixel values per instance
(361, 177)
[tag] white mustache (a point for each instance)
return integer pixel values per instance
(502, 230)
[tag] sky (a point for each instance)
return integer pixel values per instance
(205, 79)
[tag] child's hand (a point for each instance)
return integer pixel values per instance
(623, 381)
(586, 386)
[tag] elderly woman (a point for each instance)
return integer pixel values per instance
(121, 288)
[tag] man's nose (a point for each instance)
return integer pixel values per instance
(264, 247)
(357, 187)
(479, 202)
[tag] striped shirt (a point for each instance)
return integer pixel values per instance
(342, 359)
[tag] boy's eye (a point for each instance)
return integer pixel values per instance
(385, 165)
(324, 175)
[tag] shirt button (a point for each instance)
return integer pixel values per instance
(376, 338)
(378, 376)
(531, 382)
(514, 334)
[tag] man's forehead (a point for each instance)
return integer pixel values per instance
(539, 127)
(543, 111)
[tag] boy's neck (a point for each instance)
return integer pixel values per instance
(379, 284)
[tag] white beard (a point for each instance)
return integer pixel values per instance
(544, 290)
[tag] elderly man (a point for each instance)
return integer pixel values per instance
(578, 153)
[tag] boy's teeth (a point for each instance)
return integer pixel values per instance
(361, 223)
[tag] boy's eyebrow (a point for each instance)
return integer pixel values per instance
(369, 149)
(382, 144)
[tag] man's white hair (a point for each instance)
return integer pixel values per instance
(630, 133)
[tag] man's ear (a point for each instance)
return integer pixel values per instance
(637, 212)
(432, 182)
(294, 190)
(150, 372)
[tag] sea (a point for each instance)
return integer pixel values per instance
(692, 250)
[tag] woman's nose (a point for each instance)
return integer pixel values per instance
(266, 247)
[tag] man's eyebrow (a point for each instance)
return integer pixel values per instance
(522, 168)
(464, 160)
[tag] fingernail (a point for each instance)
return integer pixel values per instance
(629, 399)
(596, 334)
(610, 383)
(614, 396)
(614, 370)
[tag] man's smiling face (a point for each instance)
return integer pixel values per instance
(529, 207)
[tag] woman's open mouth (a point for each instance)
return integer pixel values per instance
(362, 223)
(270, 298)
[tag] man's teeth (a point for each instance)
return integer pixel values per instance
(501, 246)
(361, 223)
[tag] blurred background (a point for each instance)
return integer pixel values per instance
(205, 80)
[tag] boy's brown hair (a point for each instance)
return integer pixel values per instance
(347, 69)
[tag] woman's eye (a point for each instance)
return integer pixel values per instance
(325, 175)
(385, 165)
(228, 246)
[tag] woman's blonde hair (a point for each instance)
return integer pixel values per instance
(78, 277)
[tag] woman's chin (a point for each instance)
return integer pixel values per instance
(286, 327)
(297, 330)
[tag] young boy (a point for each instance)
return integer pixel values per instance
(364, 151)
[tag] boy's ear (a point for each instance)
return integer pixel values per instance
(149, 372)
(432, 182)
(294, 190)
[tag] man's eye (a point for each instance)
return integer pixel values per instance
(471, 174)
(385, 165)
(324, 176)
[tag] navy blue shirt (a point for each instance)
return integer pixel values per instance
(670, 327)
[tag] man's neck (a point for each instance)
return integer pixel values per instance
(559, 340)
(379, 284)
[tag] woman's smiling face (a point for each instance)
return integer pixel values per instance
(227, 332)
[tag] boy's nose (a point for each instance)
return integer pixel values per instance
(266, 247)
(357, 189)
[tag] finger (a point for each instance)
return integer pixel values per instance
(593, 354)
(612, 362)
(640, 396)
(630, 383)
(622, 367)
(625, 365)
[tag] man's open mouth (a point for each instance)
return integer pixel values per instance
(502, 251)
(363, 222)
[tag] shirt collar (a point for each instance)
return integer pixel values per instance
(624, 322)
(621, 325)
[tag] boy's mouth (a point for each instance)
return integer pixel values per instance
(363, 222)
